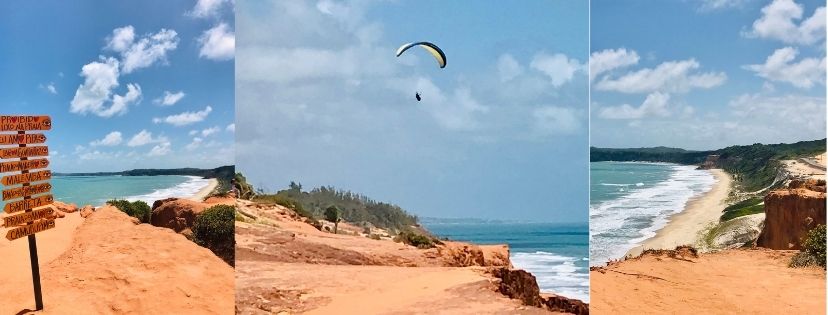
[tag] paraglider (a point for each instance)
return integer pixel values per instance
(431, 48)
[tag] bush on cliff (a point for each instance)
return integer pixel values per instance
(214, 230)
(137, 209)
(414, 239)
(814, 244)
(813, 249)
(743, 208)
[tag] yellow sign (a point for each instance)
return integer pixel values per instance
(17, 166)
(26, 217)
(21, 123)
(24, 152)
(38, 226)
(28, 138)
(26, 178)
(27, 204)
(26, 191)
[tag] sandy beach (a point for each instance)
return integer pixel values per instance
(699, 213)
(204, 192)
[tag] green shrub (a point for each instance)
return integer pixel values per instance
(414, 239)
(803, 259)
(375, 237)
(284, 201)
(136, 209)
(814, 244)
(214, 230)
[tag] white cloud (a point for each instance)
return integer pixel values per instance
(121, 38)
(100, 79)
(558, 67)
(713, 5)
(780, 67)
(508, 68)
(111, 139)
(145, 137)
(231, 128)
(778, 21)
(790, 115)
(144, 52)
(195, 144)
(209, 131)
(50, 88)
(193, 132)
(654, 105)
(218, 43)
(610, 59)
(160, 149)
(185, 118)
(671, 76)
(551, 120)
(206, 8)
(169, 98)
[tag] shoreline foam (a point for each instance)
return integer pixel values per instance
(683, 228)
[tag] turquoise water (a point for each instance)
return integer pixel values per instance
(629, 202)
(555, 253)
(96, 190)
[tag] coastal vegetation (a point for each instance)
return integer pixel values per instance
(745, 207)
(245, 189)
(754, 167)
(353, 207)
(136, 209)
(214, 230)
(813, 249)
(415, 239)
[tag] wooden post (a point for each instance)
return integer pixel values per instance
(38, 295)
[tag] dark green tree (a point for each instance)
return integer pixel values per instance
(332, 214)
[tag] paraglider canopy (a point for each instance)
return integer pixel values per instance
(431, 48)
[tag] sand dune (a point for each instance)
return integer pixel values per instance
(109, 265)
(728, 282)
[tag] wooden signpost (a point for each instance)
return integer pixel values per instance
(24, 219)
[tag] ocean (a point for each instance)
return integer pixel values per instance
(555, 253)
(96, 190)
(630, 201)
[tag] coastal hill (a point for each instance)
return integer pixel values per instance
(754, 167)
(289, 259)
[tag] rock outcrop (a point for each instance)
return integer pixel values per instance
(521, 285)
(791, 213)
(64, 207)
(175, 213)
(87, 211)
(737, 232)
(459, 254)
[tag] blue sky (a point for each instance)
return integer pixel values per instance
(102, 70)
(501, 132)
(707, 74)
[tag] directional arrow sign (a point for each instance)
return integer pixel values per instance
(26, 191)
(17, 166)
(19, 123)
(26, 178)
(27, 204)
(24, 152)
(28, 138)
(38, 226)
(26, 217)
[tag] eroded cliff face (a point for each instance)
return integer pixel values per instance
(791, 213)
(521, 285)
